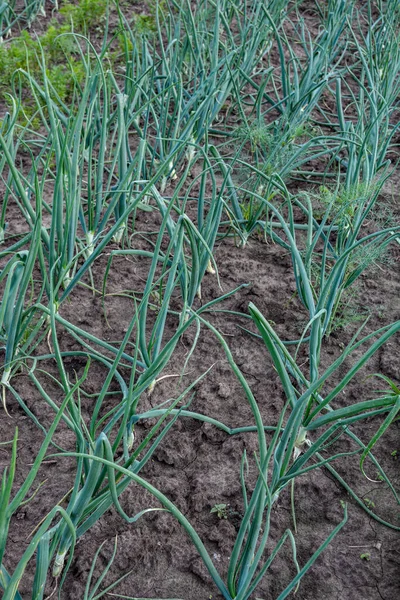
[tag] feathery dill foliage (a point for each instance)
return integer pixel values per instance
(24, 52)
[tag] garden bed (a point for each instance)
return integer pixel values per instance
(75, 321)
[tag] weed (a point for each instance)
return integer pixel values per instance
(221, 510)
(369, 503)
(365, 556)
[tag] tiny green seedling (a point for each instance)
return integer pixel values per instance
(369, 503)
(221, 510)
(365, 556)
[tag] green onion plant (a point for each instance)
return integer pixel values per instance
(12, 15)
